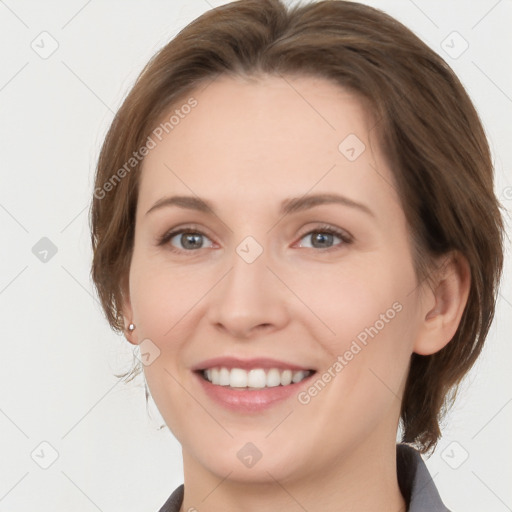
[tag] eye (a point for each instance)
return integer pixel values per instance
(324, 236)
(187, 239)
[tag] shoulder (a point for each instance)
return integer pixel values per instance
(416, 484)
(173, 503)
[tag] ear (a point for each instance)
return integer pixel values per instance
(444, 305)
(127, 313)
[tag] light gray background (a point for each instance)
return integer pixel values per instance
(59, 356)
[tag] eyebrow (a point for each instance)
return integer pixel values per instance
(290, 205)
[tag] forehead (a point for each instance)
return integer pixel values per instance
(263, 135)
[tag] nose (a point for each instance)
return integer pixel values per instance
(249, 300)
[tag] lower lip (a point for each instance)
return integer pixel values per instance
(250, 400)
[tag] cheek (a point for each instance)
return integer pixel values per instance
(162, 296)
(163, 303)
(366, 328)
(350, 299)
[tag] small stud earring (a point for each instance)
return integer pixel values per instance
(131, 327)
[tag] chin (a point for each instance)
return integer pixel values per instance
(237, 466)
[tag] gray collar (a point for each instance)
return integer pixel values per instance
(414, 480)
(416, 484)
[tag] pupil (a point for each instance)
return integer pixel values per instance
(322, 238)
(190, 237)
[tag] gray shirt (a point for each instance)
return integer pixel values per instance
(414, 480)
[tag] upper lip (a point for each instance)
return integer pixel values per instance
(247, 364)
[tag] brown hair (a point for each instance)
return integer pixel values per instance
(426, 123)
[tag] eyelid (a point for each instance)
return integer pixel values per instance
(341, 233)
(188, 228)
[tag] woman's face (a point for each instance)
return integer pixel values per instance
(325, 286)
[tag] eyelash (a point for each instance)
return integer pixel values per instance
(345, 237)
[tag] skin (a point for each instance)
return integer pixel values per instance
(248, 145)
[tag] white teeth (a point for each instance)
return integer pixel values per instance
(224, 377)
(286, 377)
(298, 376)
(256, 378)
(273, 378)
(237, 378)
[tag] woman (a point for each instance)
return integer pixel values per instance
(294, 219)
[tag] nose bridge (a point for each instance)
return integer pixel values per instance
(248, 281)
(249, 295)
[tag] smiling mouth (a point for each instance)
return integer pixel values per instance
(256, 378)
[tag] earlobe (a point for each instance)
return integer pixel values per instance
(129, 334)
(130, 331)
(441, 317)
(129, 325)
